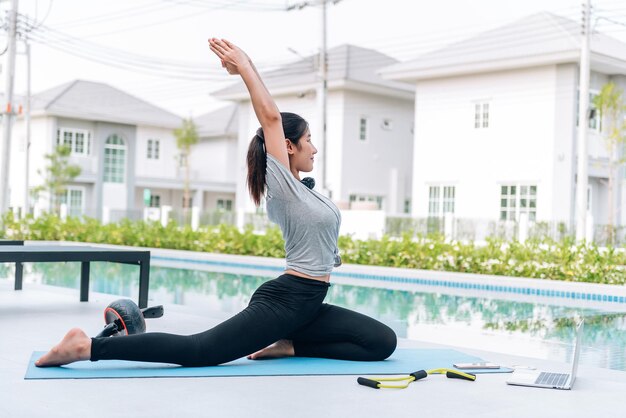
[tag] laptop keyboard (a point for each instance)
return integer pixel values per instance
(552, 379)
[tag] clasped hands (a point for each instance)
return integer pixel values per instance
(231, 56)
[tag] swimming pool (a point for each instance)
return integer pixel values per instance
(489, 321)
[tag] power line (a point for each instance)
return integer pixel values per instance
(198, 72)
(123, 59)
(119, 58)
(125, 13)
(239, 5)
(167, 20)
(409, 48)
(512, 38)
(46, 15)
(162, 5)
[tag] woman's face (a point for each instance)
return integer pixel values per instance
(301, 157)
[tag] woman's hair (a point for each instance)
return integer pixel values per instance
(294, 127)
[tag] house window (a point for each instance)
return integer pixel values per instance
(363, 129)
(508, 202)
(407, 205)
(114, 159)
(79, 140)
(441, 200)
(367, 198)
(187, 203)
(433, 200)
(67, 138)
(153, 149)
(448, 199)
(79, 143)
(481, 115)
(73, 198)
(155, 201)
(225, 204)
(595, 123)
(517, 199)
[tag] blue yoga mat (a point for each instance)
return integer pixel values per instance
(403, 361)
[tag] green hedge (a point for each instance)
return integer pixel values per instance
(542, 259)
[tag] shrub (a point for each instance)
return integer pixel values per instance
(540, 258)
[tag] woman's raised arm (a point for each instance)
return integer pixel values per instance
(237, 62)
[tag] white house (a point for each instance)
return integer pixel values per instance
(126, 150)
(496, 123)
(214, 158)
(369, 127)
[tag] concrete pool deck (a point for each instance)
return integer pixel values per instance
(37, 317)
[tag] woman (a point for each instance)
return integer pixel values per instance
(286, 316)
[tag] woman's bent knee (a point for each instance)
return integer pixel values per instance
(382, 343)
(387, 344)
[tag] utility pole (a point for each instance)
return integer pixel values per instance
(583, 125)
(322, 90)
(7, 119)
(27, 122)
(323, 99)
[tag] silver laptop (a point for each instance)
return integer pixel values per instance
(551, 380)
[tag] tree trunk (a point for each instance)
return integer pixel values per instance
(610, 231)
(186, 191)
(187, 206)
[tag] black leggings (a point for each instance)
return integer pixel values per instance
(288, 307)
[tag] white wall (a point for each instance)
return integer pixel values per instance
(210, 200)
(564, 153)
(367, 165)
(516, 148)
(114, 196)
(166, 165)
(364, 170)
(42, 129)
(335, 127)
(214, 159)
(244, 134)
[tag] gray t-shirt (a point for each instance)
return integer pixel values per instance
(309, 221)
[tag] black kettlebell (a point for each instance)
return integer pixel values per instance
(123, 317)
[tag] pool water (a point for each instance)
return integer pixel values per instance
(519, 328)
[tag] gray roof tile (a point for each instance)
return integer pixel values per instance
(101, 102)
(220, 122)
(345, 62)
(542, 37)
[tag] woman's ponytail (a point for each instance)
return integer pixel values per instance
(257, 164)
(294, 128)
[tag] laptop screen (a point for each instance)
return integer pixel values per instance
(577, 348)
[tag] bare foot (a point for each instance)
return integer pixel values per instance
(281, 348)
(75, 346)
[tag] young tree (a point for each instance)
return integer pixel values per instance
(186, 136)
(58, 174)
(610, 104)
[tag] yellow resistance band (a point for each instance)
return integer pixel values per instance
(406, 380)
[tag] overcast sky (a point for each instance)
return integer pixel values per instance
(169, 37)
